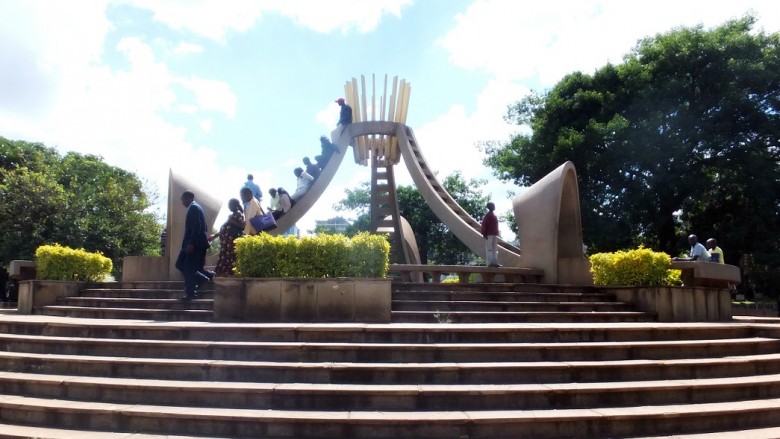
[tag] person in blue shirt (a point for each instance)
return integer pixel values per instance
(256, 192)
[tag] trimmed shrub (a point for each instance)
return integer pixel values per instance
(324, 255)
(640, 267)
(55, 262)
(369, 256)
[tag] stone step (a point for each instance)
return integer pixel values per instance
(519, 317)
(747, 433)
(10, 431)
(389, 352)
(206, 292)
(501, 296)
(492, 287)
(496, 306)
(252, 423)
(140, 303)
(388, 397)
(390, 373)
(377, 333)
(129, 313)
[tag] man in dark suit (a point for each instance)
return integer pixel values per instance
(194, 244)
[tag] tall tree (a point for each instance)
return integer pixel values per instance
(75, 200)
(434, 240)
(682, 137)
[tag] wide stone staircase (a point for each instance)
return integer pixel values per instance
(459, 361)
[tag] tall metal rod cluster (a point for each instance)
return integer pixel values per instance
(392, 108)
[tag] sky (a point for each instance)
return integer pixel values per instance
(217, 89)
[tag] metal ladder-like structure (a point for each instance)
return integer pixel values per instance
(382, 153)
(385, 214)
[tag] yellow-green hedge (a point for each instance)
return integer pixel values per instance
(324, 255)
(55, 262)
(640, 267)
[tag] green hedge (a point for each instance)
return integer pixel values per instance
(640, 267)
(324, 255)
(55, 262)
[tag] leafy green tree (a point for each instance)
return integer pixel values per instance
(682, 137)
(434, 239)
(31, 209)
(75, 200)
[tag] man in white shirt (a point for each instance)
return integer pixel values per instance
(698, 252)
(304, 182)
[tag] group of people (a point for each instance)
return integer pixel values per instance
(711, 253)
(196, 240)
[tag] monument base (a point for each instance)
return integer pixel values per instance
(301, 300)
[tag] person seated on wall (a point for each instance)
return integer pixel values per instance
(311, 168)
(716, 254)
(345, 114)
(304, 183)
(697, 253)
(328, 148)
(285, 203)
(274, 199)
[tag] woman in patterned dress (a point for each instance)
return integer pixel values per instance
(230, 230)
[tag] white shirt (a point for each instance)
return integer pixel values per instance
(253, 209)
(699, 250)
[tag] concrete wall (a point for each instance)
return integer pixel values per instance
(302, 300)
(33, 294)
(550, 229)
(678, 304)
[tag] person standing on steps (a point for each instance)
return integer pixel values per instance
(256, 192)
(194, 244)
(490, 233)
(345, 116)
(253, 209)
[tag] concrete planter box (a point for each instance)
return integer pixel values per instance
(678, 304)
(34, 294)
(302, 300)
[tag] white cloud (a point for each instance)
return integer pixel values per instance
(211, 94)
(342, 15)
(182, 49)
(519, 40)
(448, 143)
(213, 20)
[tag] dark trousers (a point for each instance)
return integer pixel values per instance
(191, 265)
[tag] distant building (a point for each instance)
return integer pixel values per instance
(292, 231)
(333, 225)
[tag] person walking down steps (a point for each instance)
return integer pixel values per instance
(490, 233)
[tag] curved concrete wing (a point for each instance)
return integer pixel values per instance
(342, 139)
(315, 191)
(466, 228)
(548, 221)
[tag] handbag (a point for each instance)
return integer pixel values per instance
(263, 222)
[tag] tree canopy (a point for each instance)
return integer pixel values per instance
(434, 240)
(74, 200)
(681, 137)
